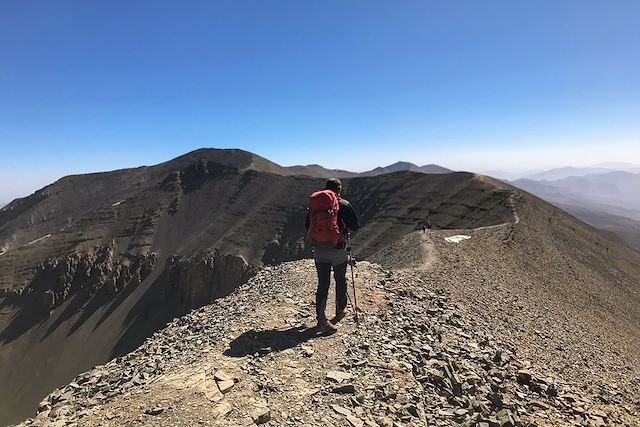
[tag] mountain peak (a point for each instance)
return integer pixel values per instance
(401, 165)
(232, 157)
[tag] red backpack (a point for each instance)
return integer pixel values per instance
(323, 219)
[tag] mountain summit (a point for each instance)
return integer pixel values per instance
(407, 167)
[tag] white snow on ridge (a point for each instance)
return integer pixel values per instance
(37, 240)
(457, 239)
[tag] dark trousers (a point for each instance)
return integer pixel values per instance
(324, 280)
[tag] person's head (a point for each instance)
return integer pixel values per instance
(334, 185)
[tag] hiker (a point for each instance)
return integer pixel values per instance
(426, 225)
(326, 232)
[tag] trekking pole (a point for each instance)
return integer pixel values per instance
(353, 280)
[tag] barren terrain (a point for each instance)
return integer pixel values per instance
(92, 265)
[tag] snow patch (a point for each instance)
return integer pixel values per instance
(457, 239)
(37, 240)
(118, 203)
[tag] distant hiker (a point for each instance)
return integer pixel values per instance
(426, 225)
(329, 218)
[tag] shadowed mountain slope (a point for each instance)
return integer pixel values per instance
(93, 264)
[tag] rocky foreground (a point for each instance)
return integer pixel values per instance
(415, 358)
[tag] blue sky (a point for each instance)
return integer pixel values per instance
(475, 85)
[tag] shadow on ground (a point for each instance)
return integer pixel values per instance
(270, 341)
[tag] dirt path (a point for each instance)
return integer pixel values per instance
(429, 255)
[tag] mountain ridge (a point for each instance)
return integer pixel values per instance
(322, 172)
(245, 160)
(94, 264)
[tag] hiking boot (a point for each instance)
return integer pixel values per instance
(328, 326)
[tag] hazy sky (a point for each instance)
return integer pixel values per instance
(476, 85)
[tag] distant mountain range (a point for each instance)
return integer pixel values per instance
(621, 228)
(608, 201)
(321, 172)
(567, 172)
(407, 167)
(564, 172)
(617, 193)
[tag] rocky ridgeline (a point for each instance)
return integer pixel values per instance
(254, 358)
(59, 278)
(102, 274)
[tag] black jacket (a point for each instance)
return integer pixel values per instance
(347, 218)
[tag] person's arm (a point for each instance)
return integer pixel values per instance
(348, 214)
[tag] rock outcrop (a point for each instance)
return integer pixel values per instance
(205, 276)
